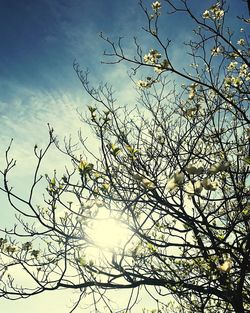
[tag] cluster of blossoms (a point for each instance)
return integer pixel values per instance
(219, 167)
(236, 81)
(244, 72)
(192, 91)
(152, 57)
(233, 81)
(11, 248)
(162, 66)
(156, 6)
(214, 12)
(195, 187)
(175, 181)
(145, 83)
(234, 54)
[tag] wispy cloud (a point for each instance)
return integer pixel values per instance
(25, 120)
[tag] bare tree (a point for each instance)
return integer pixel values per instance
(174, 169)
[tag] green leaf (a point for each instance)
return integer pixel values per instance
(151, 247)
(105, 187)
(115, 150)
(82, 261)
(85, 167)
(131, 150)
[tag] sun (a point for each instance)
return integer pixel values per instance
(108, 233)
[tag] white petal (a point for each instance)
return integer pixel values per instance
(226, 266)
(193, 169)
(171, 185)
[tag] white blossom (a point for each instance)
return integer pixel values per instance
(144, 83)
(147, 183)
(219, 167)
(214, 12)
(234, 55)
(232, 66)
(244, 72)
(218, 14)
(241, 42)
(194, 169)
(176, 181)
(171, 185)
(179, 178)
(236, 81)
(209, 185)
(191, 94)
(159, 68)
(206, 14)
(216, 51)
(146, 58)
(192, 91)
(226, 266)
(156, 6)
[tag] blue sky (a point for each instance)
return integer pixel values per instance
(40, 39)
(39, 42)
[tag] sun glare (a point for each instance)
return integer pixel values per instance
(108, 233)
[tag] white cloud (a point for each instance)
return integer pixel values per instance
(25, 120)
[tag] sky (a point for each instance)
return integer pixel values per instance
(40, 39)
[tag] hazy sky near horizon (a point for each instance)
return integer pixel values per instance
(40, 39)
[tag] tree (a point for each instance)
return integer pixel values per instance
(174, 169)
